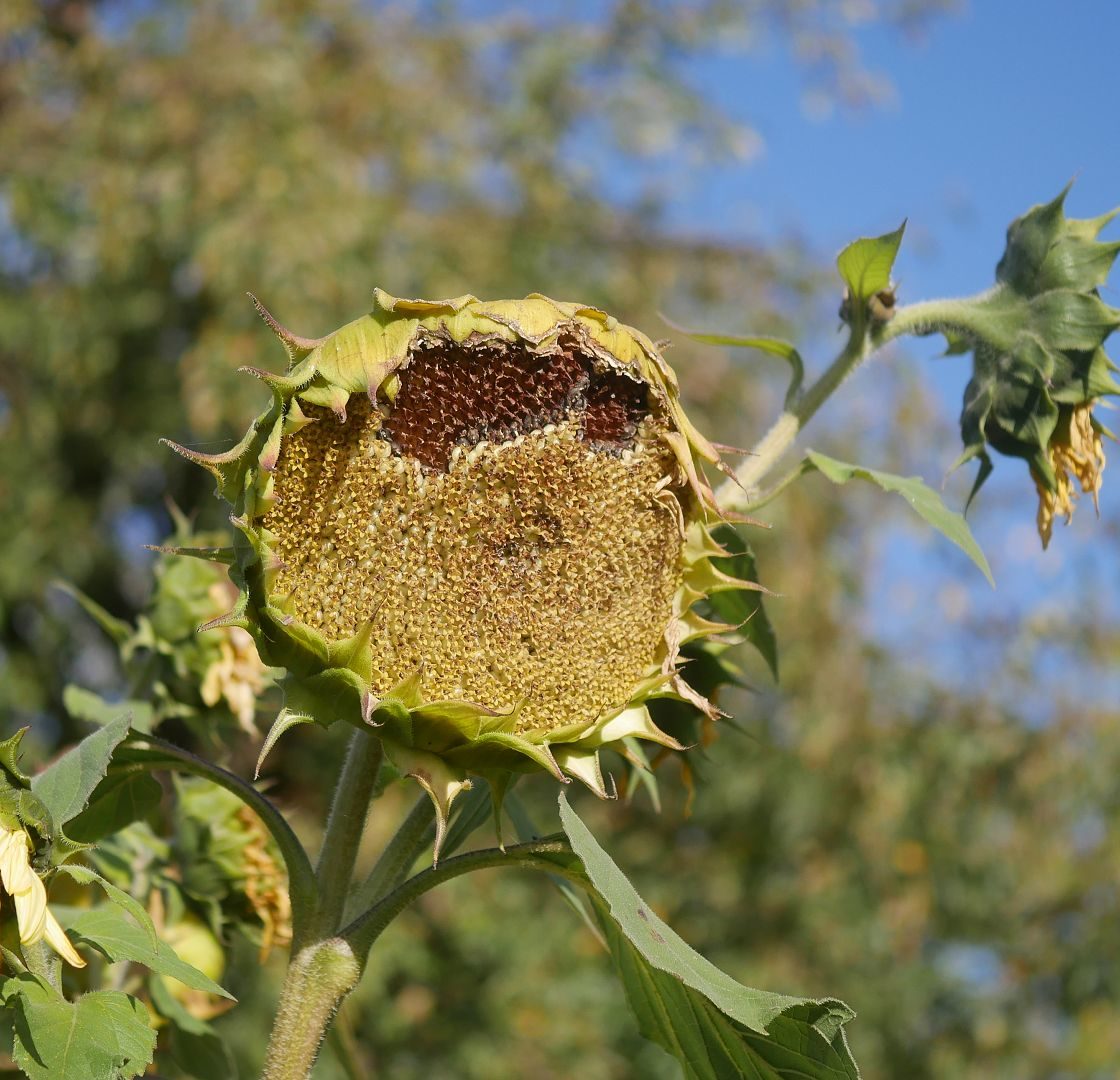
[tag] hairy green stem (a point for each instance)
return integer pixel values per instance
(324, 968)
(319, 978)
(322, 974)
(741, 492)
(413, 835)
(964, 315)
(865, 338)
(551, 854)
(345, 825)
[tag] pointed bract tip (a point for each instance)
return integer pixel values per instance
(293, 343)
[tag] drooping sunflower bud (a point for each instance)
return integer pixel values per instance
(1039, 365)
(480, 528)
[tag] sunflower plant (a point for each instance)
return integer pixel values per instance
(484, 535)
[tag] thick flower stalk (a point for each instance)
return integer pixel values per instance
(29, 896)
(479, 529)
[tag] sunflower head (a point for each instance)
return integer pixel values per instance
(480, 528)
(1039, 363)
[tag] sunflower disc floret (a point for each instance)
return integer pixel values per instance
(479, 528)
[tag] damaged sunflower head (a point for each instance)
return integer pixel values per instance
(481, 530)
(1039, 364)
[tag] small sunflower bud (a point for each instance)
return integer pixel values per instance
(480, 528)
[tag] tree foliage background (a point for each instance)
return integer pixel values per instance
(935, 856)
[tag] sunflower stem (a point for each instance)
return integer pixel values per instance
(551, 854)
(345, 825)
(414, 834)
(865, 337)
(324, 967)
(319, 978)
(743, 491)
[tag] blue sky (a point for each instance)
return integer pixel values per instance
(995, 109)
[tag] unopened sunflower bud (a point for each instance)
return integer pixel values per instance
(480, 528)
(1039, 365)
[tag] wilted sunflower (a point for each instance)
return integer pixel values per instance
(1076, 452)
(481, 529)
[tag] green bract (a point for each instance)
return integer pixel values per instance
(480, 529)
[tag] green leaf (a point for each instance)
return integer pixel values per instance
(923, 500)
(576, 898)
(866, 264)
(104, 1035)
(65, 786)
(83, 875)
(772, 345)
(711, 1046)
(85, 705)
(120, 799)
(107, 930)
(715, 1027)
(742, 607)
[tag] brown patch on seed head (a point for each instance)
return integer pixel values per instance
(455, 395)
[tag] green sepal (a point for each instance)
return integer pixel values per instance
(585, 766)
(332, 694)
(1047, 250)
(285, 721)
(21, 808)
(441, 783)
(495, 750)
(295, 346)
(230, 467)
(634, 722)
(226, 556)
(9, 759)
(446, 724)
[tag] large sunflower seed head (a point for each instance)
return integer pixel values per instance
(480, 528)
